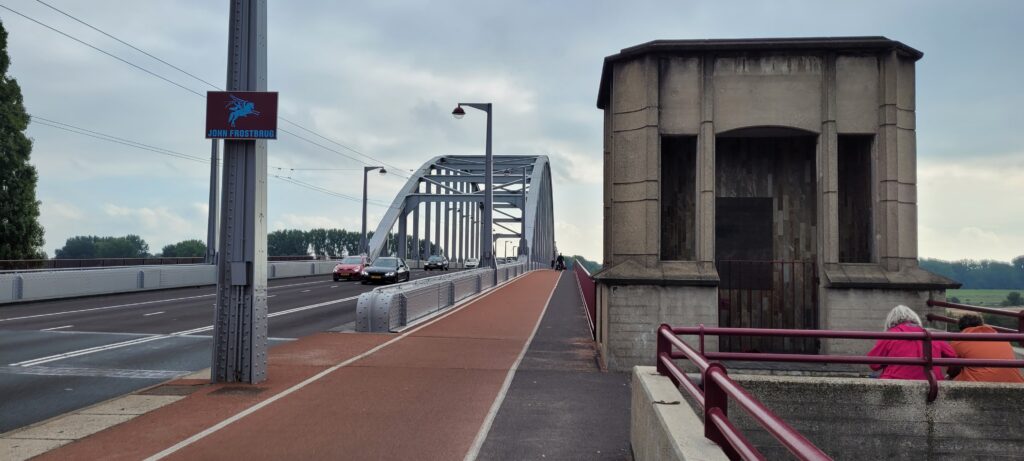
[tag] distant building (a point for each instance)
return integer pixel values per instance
(758, 183)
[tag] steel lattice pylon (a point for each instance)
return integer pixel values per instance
(447, 192)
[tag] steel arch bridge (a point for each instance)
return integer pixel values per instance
(447, 193)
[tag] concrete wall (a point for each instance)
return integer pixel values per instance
(865, 310)
(39, 285)
(662, 426)
(634, 313)
(847, 418)
(857, 418)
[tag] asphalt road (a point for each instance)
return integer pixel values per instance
(63, 355)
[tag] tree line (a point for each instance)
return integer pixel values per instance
(330, 243)
(983, 274)
(128, 246)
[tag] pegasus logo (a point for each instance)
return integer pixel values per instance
(240, 108)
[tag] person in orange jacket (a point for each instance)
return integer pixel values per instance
(972, 323)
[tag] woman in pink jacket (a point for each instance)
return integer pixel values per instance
(903, 319)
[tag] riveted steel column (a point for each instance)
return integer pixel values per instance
(400, 240)
(211, 214)
(426, 224)
(416, 232)
(240, 321)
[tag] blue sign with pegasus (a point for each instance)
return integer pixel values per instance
(241, 115)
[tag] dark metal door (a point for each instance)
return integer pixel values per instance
(768, 294)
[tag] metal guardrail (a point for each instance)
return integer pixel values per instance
(26, 265)
(1019, 315)
(928, 362)
(714, 401)
(588, 291)
(56, 284)
(390, 308)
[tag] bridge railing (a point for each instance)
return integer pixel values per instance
(714, 401)
(393, 307)
(927, 361)
(1019, 315)
(588, 291)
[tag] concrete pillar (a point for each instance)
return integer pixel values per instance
(827, 168)
(705, 213)
(887, 167)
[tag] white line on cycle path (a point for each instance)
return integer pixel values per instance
(146, 339)
(142, 303)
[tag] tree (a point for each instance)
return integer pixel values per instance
(21, 235)
(91, 246)
(290, 242)
(79, 247)
(1013, 298)
(129, 246)
(184, 249)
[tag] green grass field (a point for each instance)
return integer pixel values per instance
(991, 298)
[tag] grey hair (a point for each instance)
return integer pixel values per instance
(901, 314)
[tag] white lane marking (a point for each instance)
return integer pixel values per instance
(152, 313)
(248, 411)
(304, 291)
(93, 372)
(106, 307)
(142, 303)
(146, 339)
(270, 296)
(334, 286)
(57, 328)
(485, 428)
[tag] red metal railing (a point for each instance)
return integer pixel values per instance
(589, 292)
(714, 400)
(928, 362)
(1019, 315)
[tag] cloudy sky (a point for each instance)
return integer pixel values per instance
(382, 77)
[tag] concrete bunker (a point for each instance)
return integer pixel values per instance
(758, 183)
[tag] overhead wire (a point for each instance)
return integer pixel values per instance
(397, 169)
(159, 150)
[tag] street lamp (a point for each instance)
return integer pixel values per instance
(506, 247)
(364, 249)
(487, 227)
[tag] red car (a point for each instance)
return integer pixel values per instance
(350, 268)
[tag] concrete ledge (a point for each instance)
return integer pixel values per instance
(663, 426)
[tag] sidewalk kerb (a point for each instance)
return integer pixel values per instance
(242, 414)
(485, 428)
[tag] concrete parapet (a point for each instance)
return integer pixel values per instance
(859, 418)
(662, 425)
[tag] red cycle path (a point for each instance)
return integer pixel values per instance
(424, 396)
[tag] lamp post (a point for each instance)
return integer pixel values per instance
(506, 247)
(362, 237)
(487, 226)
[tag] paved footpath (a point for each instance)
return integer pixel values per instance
(424, 394)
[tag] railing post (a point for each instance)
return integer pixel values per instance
(716, 399)
(663, 347)
(933, 384)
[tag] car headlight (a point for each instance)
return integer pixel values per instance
(365, 273)
(390, 274)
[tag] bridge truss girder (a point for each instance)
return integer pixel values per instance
(444, 199)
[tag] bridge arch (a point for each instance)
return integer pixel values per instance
(440, 209)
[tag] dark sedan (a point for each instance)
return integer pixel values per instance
(436, 262)
(386, 270)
